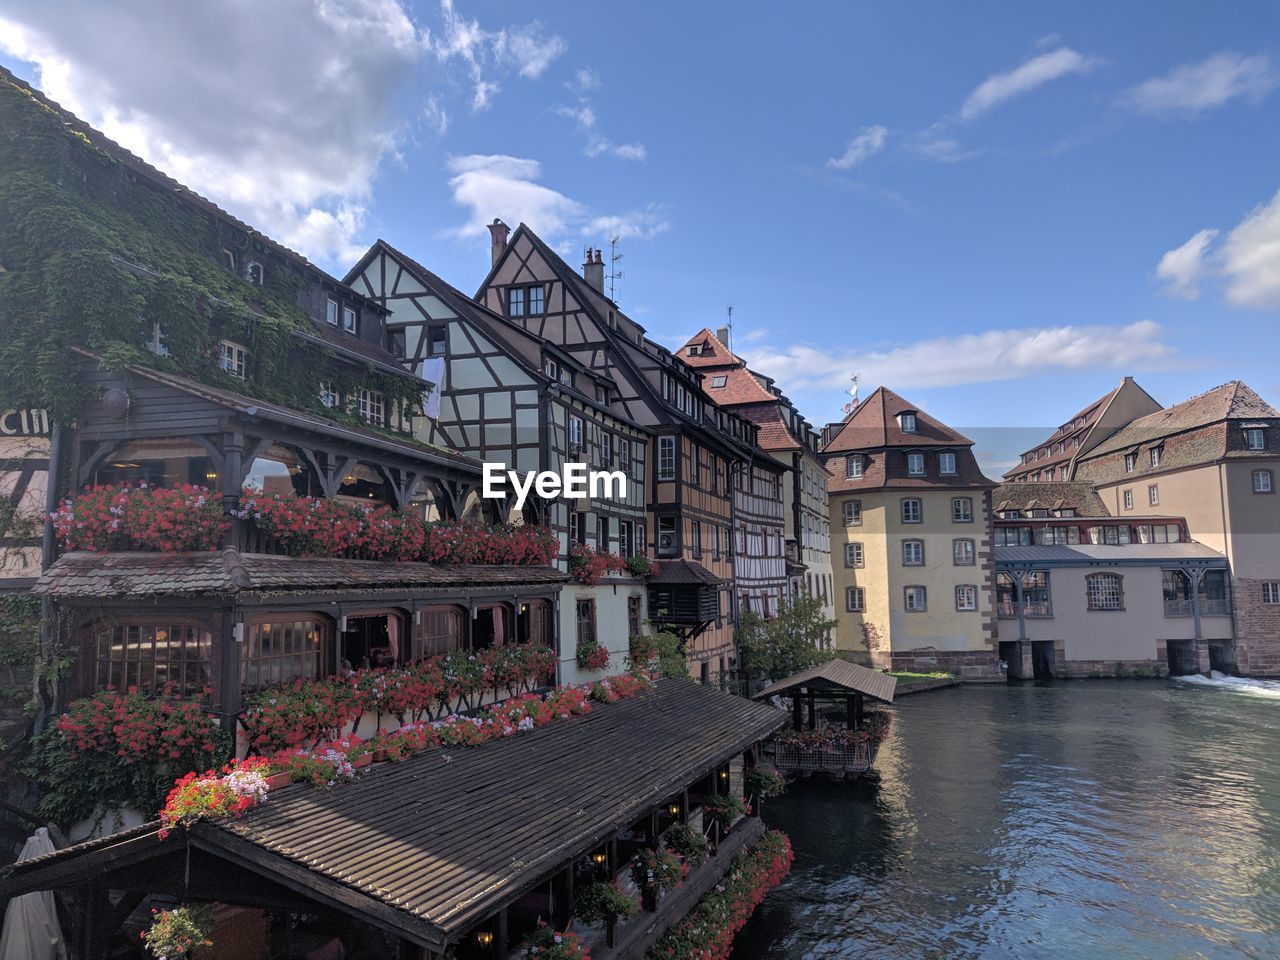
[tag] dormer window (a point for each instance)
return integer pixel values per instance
(1130, 461)
(232, 358)
(328, 395)
(551, 369)
(907, 422)
(1156, 453)
(695, 350)
(229, 259)
(947, 463)
(1255, 438)
(372, 407)
(348, 319)
(718, 383)
(853, 467)
(915, 464)
(253, 272)
(331, 312)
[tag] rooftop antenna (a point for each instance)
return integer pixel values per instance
(853, 390)
(614, 272)
(728, 325)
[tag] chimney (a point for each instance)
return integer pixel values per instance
(593, 271)
(722, 334)
(498, 232)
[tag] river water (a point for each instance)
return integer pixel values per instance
(1087, 819)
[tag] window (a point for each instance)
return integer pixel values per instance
(348, 319)
(913, 553)
(1262, 481)
(966, 597)
(229, 259)
(575, 526)
(1048, 474)
(1153, 494)
(1271, 591)
(439, 629)
(606, 449)
(515, 302)
(156, 341)
(695, 466)
(585, 615)
(437, 340)
(1111, 535)
(535, 297)
(575, 436)
(1066, 511)
(695, 350)
(626, 547)
(853, 467)
(962, 552)
(232, 357)
(915, 464)
(602, 534)
(372, 407)
(1105, 591)
(1255, 438)
(718, 382)
(634, 616)
(1128, 499)
(715, 542)
(282, 651)
(912, 510)
(947, 463)
(667, 542)
(1156, 453)
(852, 510)
(624, 455)
(254, 273)
(853, 554)
(1130, 461)
(551, 369)
(962, 510)
(854, 599)
(666, 458)
(331, 312)
(915, 599)
(328, 395)
(695, 537)
(907, 421)
(149, 656)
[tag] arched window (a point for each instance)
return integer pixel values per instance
(1105, 591)
(281, 471)
(281, 648)
(437, 630)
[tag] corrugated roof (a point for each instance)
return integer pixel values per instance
(227, 572)
(839, 673)
(1096, 553)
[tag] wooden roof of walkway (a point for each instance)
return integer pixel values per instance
(840, 674)
(429, 847)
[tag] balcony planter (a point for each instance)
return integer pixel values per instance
(278, 780)
(361, 761)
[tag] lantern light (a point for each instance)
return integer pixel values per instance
(484, 938)
(600, 858)
(673, 809)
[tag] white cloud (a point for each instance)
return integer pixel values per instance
(868, 142)
(1192, 89)
(495, 185)
(990, 356)
(227, 98)
(584, 115)
(1246, 261)
(1036, 72)
(938, 142)
(1183, 267)
(435, 114)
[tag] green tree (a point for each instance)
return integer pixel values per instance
(772, 649)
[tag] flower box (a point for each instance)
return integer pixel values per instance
(379, 756)
(278, 780)
(362, 761)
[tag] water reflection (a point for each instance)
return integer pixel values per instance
(1088, 819)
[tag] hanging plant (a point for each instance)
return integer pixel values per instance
(689, 843)
(658, 870)
(724, 809)
(593, 656)
(588, 565)
(605, 903)
(766, 782)
(641, 566)
(174, 934)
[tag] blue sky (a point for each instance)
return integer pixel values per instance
(997, 212)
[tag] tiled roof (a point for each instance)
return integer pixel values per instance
(874, 423)
(1053, 496)
(229, 572)
(837, 673)
(716, 360)
(714, 351)
(1231, 401)
(679, 572)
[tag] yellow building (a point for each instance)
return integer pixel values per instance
(910, 541)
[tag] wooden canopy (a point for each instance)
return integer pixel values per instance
(428, 848)
(835, 675)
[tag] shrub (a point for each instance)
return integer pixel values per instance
(689, 843)
(641, 566)
(766, 782)
(724, 809)
(658, 870)
(593, 656)
(547, 943)
(604, 903)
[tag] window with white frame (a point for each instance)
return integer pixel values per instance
(1255, 438)
(962, 552)
(348, 319)
(372, 407)
(915, 464)
(852, 510)
(331, 312)
(666, 458)
(853, 467)
(855, 599)
(1263, 482)
(914, 599)
(717, 383)
(1153, 494)
(962, 510)
(966, 597)
(575, 435)
(155, 343)
(328, 395)
(907, 422)
(1105, 591)
(1156, 454)
(913, 553)
(1128, 499)
(1271, 591)
(947, 463)
(1130, 461)
(853, 554)
(232, 357)
(912, 510)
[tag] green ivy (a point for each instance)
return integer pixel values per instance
(93, 255)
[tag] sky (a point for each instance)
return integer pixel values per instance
(997, 210)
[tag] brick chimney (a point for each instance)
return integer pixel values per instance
(722, 334)
(593, 270)
(498, 233)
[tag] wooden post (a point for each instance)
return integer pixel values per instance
(813, 711)
(850, 713)
(797, 719)
(859, 702)
(562, 898)
(500, 945)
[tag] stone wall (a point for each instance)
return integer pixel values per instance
(1257, 630)
(973, 665)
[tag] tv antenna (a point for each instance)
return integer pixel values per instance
(614, 272)
(728, 326)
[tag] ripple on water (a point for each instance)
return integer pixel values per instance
(1088, 819)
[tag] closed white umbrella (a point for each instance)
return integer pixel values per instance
(31, 930)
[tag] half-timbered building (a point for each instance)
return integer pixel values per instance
(509, 397)
(696, 448)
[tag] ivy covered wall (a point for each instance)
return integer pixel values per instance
(94, 253)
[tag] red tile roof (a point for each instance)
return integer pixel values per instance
(874, 423)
